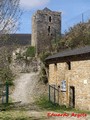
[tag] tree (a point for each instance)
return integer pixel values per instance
(76, 36)
(9, 15)
(79, 35)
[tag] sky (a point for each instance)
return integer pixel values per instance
(71, 12)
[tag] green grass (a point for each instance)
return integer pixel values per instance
(30, 52)
(44, 103)
(14, 115)
(9, 113)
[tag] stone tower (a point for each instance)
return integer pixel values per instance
(46, 25)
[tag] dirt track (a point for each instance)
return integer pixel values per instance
(24, 88)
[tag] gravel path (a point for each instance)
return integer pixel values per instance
(24, 87)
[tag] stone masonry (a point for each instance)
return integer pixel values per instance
(46, 26)
(78, 77)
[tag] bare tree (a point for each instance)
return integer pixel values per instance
(9, 15)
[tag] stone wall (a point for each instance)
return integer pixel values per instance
(78, 77)
(46, 26)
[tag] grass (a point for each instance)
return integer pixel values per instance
(14, 115)
(44, 103)
(30, 52)
(8, 113)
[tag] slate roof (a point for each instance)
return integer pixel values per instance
(18, 39)
(68, 53)
(46, 9)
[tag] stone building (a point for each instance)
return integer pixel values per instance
(46, 26)
(69, 71)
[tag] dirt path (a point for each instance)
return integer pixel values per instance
(24, 88)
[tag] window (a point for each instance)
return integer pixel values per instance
(69, 65)
(55, 67)
(49, 29)
(50, 19)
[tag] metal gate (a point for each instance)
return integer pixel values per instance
(54, 93)
(4, 93)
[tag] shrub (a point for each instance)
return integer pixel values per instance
(30, 52)
(44, 55)
(44, 79)
(6, 75)
(19, 56)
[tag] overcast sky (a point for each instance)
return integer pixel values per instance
(71, 11)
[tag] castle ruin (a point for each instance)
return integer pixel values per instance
(46, 25)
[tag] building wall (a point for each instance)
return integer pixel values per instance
(78, 77)
(46, 25)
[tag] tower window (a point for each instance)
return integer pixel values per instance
(49, 18)
(49, 29)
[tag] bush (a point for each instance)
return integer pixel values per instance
(76, 36)
(43, 71)
(6, 75)
(44, 55)
(30, 52)
(44, 103)
(19, 56)
(44, 79)
(43, 75)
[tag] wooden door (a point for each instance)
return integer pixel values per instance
(72, 97)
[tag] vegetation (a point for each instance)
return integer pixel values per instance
(19, 56)
(6, 74)
(77, 36)
(9, 15)
(43, 75)
(44, 55)
(30, 52)
(14, 115)
(11, 112)
(44, 69)
(44, 103)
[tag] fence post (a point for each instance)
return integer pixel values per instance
(7, 93)
(49, 92)
(54, 94)
(58, 93)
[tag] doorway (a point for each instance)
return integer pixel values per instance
(72, 97)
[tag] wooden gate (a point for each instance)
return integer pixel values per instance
(54, 93)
